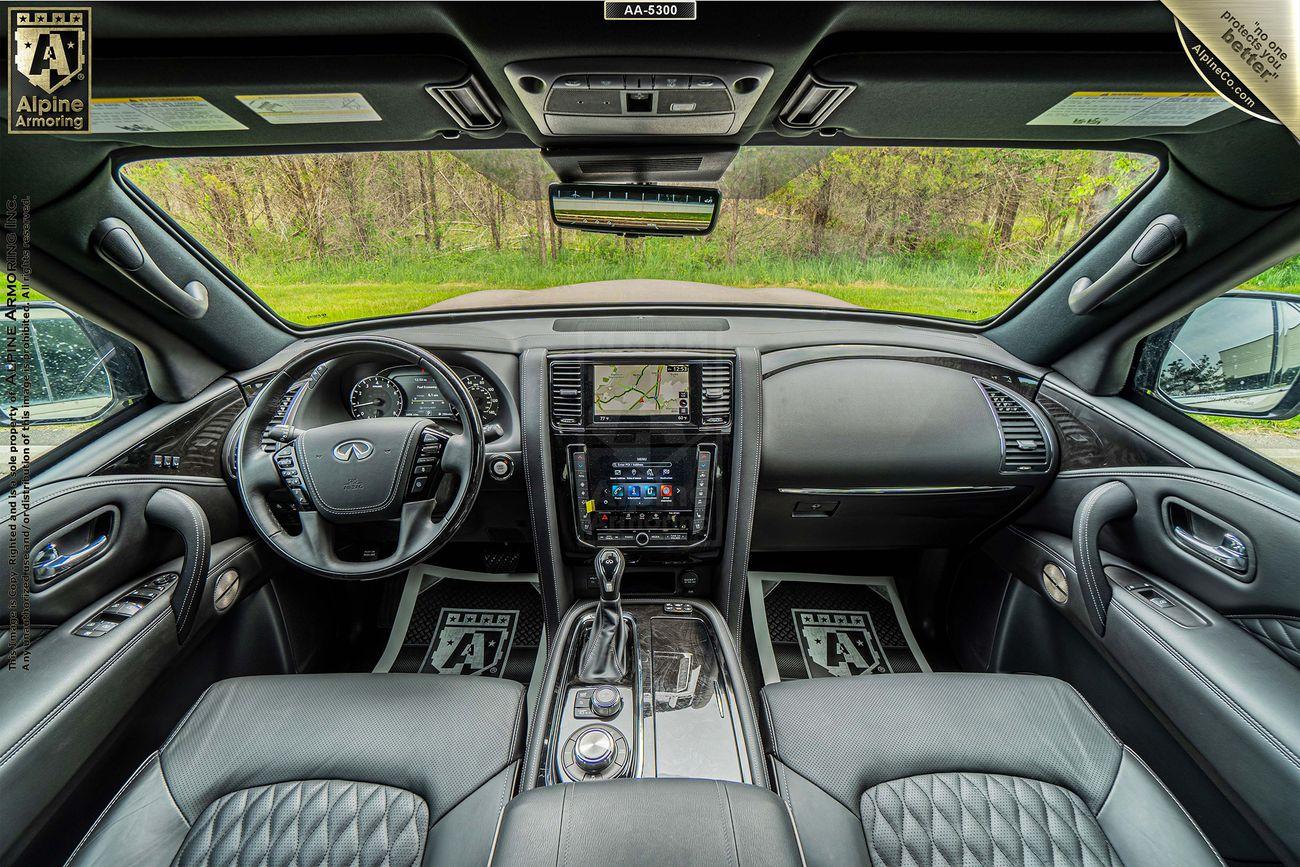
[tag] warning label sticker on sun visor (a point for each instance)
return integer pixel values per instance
(311, 107)
(159, 114)
(1131, 108)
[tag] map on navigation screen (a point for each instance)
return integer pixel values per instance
(641, 390)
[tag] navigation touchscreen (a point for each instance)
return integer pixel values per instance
(641, 391)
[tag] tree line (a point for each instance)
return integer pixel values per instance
(996, 207)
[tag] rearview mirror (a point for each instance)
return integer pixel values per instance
(626, 209)
(67, 372)
(1238, 355)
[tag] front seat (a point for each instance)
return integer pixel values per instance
(975, 769)
(337, 769)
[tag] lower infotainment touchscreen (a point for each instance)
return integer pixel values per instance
(628, 480)
(641, 391)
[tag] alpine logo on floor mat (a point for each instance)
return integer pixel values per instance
(838, 643)
(471, 641)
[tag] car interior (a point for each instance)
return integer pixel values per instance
(640, 570)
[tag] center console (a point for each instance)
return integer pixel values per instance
(644, 442)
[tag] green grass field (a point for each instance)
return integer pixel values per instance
(316, 291)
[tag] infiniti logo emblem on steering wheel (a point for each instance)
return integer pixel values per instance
(353, 450)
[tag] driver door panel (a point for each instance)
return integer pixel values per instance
(64, 698)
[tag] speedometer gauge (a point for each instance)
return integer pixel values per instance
(485, 396)
(376, 397)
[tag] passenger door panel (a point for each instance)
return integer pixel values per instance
(1202, 641)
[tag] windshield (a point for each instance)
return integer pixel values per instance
(958, 233)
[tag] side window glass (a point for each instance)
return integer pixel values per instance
(72, 375)
(1234, 364)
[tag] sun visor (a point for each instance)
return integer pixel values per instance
(1018, 97)
(267, 101)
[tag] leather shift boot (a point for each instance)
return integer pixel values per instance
(604, 659)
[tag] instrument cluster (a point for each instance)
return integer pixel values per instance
(411, 391)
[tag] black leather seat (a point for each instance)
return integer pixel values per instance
(931, 769)
(346, 769)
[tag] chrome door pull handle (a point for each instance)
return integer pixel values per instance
(49, 563)
(1230, 553)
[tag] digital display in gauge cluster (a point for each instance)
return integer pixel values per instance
(409, 391)
(423, 396)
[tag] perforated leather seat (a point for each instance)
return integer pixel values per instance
(973, 769)
(349, 769)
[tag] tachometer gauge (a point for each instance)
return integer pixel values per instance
(485, 395)
(376, 397)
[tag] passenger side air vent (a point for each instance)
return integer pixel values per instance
(1024, 441)
(566, 393)
(468, 103)
(715, 402)
(812, 102)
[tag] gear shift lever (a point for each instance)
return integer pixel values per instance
(604, 657)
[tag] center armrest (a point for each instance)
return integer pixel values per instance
(650, 822)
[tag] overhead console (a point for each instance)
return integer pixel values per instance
(645, 441)
(604, 96)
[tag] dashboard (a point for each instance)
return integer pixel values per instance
(410, 391)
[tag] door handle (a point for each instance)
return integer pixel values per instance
(49, 563)
(1230, 553)
(1108, 502)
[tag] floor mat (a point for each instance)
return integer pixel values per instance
(488, 628)
(830, 626)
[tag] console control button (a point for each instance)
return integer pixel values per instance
(606, 702)
(593, 749)
(642, 538)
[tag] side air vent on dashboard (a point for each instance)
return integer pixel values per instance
(566, 393)
(1024, 441)
(715, 402)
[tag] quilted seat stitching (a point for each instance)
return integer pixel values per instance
(356, 823)
(1022, 805)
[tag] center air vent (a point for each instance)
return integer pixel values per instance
(468, 103)
(715, 402)
(1025, 446)
(812, 102)
(566, 393)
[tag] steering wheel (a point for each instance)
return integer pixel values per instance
(360, 470)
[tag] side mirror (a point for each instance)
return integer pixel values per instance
(1238, 355)
(67, 379)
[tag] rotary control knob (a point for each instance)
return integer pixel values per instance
(606, 702)
(593, 749)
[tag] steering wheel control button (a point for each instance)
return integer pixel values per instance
(419, 486)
